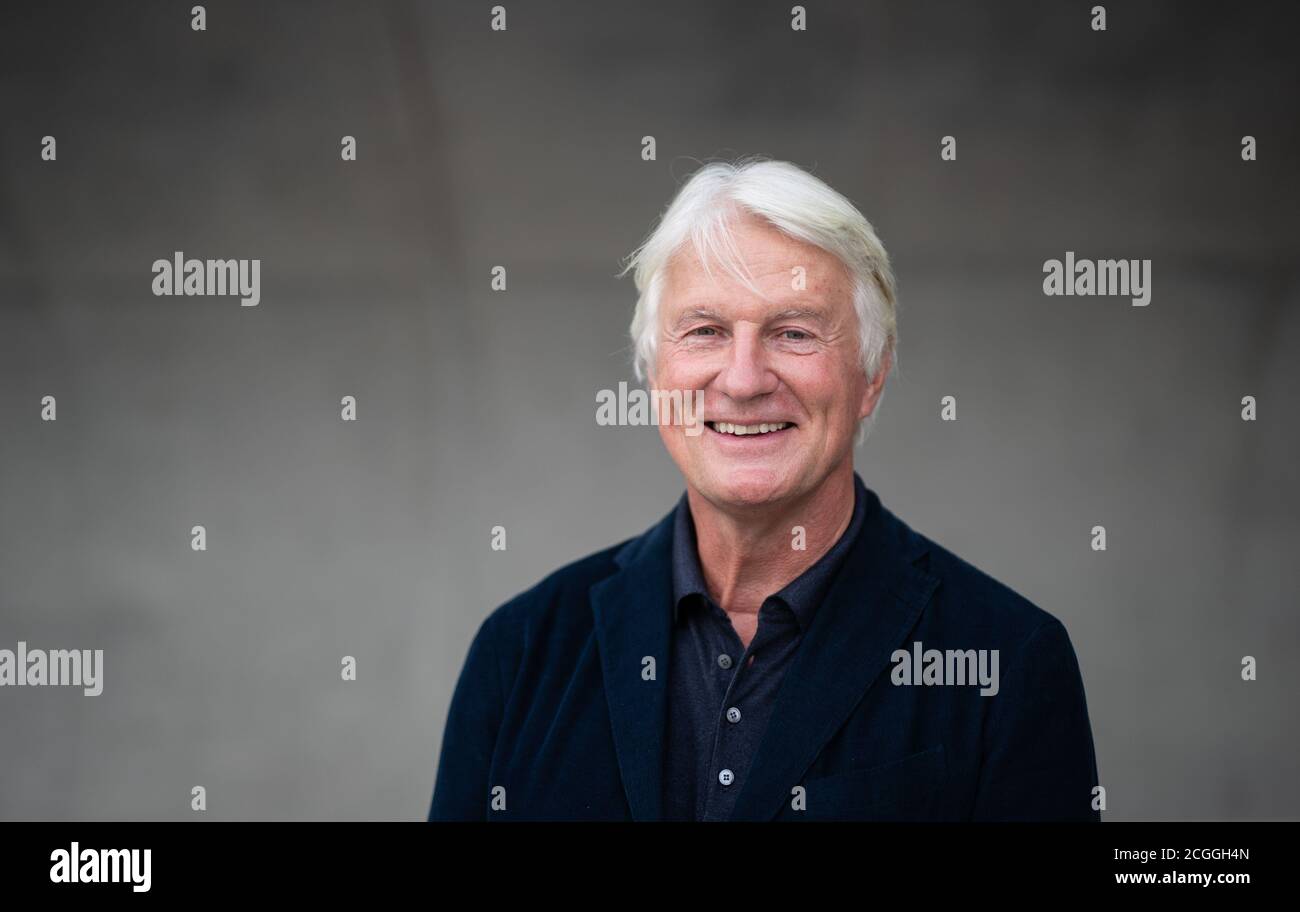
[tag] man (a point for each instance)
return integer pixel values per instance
(780, 646)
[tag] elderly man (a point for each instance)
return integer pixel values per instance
(780, 646)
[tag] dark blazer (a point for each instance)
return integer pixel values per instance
(557, 715)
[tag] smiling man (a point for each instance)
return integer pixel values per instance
(780, 646)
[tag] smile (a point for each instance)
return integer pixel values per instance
(743, 430)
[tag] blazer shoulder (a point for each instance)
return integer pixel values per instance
(560, 596)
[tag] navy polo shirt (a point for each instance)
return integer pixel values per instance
(721, 694)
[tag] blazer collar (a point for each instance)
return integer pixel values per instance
(872, 605)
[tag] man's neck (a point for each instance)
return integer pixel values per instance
(746, 556)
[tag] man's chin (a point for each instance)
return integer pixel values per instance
(746, 488)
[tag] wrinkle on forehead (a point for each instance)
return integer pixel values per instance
(815, 314)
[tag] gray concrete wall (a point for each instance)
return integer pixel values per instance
(477, 408)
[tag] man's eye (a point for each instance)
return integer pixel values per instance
(795, 335)
(703, 330)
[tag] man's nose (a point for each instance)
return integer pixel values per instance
(746, 373)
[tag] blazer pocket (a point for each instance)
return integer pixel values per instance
(902, 789)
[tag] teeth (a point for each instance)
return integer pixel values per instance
(741, 430)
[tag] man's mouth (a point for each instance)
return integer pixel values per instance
(745, 430)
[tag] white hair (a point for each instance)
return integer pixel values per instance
(794, 202)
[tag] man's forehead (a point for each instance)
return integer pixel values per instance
(726, 296)
(787, 272)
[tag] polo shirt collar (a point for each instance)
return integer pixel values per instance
(801, 595)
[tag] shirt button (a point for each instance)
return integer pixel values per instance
(726, 777)
(733, 715)
(724, 661)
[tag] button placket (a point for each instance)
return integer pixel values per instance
(732, 698)
(720, 759)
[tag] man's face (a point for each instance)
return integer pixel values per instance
(790, 361)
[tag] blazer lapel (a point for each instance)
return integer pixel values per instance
(872, 606)
(633, 614)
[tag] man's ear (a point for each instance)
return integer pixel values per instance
(874, 387)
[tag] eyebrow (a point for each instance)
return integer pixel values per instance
(696, 313)
(798, 313)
